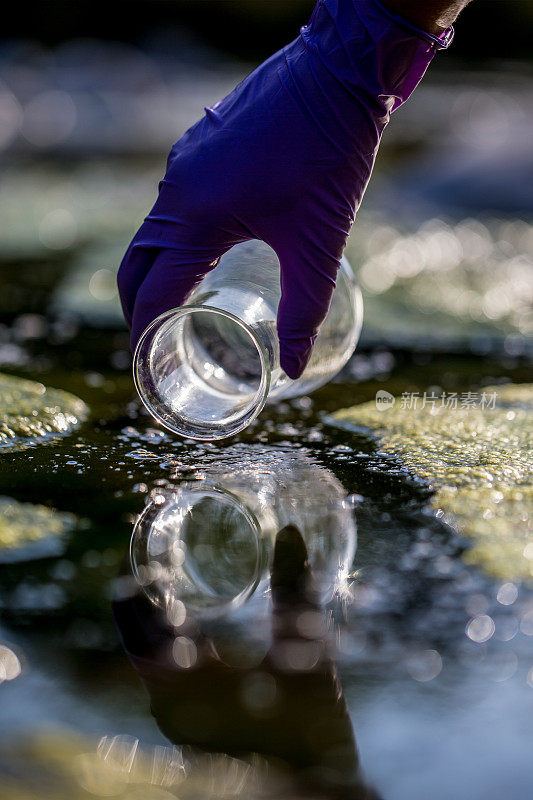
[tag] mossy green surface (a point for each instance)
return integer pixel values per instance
(64, 765)
(32, 413)
(26, 524)
(444, 281)
(479, 463)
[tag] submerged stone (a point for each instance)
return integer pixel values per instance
(31, 531)
(478, 459)
(31, 413)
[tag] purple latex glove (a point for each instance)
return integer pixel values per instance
(285, 158)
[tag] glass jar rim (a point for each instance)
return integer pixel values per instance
(243, 418)
(148, 516)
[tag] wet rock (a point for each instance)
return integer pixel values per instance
(442, 282)
(31, 413)
(477, 456)
(59, 764)
(31, 531)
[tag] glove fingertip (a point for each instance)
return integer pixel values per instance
(295, 355)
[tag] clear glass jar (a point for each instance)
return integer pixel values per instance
(205, 547)
(205, 370)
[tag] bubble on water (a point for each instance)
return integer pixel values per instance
(58, 229)
(311, 624)
(506, 628)
(480, 628)
(141, 454)
(184, 652)
(176, 612)
(298, 655)
(302, 403)
(507, 594)
(526, 623)
(424, 665)
(29, 326)
(10, 666)
(444, 565)
(178, 553)
(129, 431)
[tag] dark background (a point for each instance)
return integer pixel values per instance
(251, 29)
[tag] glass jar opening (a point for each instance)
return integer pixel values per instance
(202, 372)
(198, 547)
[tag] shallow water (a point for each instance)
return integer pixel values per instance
(435, 657)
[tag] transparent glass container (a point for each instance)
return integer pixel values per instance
(205, 370)
(206, 547)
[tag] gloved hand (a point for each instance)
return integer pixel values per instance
(285, 158)
(308, 688)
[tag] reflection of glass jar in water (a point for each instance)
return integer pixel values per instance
(207, 546)
(206, 369)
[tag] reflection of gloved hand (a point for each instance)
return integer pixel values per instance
(286, 158)
(289, 707)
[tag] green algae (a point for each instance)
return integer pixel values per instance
(477, 460)
(64, 765)
(445, 282)
(32, 413)
(28, 530)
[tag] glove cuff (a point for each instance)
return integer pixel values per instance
(440, 42)
(368, 49)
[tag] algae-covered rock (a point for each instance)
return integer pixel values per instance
(31, 531)
(476, 453)
(31, 413)
(444, 282)
(62, 765)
